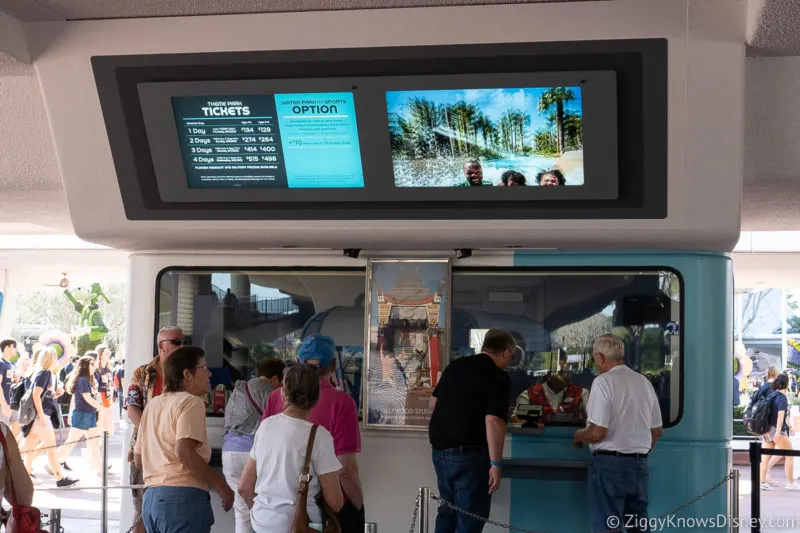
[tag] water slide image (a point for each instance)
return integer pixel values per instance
(529, 130)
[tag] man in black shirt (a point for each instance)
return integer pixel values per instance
(467, 431)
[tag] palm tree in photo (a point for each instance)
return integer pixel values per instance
(557, 97)
(573, 130)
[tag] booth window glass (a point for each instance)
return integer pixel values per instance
(240, 317)
(556, 316)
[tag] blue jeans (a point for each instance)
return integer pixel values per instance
(618, 493)
(177, 510)
(83, 421)
(462, 479)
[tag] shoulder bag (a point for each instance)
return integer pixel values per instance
(247, 390)
(300, 523)
(23, 518)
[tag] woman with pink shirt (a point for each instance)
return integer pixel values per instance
(335, 411)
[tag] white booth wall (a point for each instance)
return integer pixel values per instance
(393, 465)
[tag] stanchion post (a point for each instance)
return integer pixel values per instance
(734, 481)
(104, 492)
(55, 521)
(755, 487)
(424, 503)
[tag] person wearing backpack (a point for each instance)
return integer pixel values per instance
(765, 390)
(779, 432)
(36, 415)
(242, 417)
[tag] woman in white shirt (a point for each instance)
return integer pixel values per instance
(271, 478)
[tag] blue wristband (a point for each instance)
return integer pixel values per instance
(496, 463)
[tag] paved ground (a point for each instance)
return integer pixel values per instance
(81, 509)
(780, 508)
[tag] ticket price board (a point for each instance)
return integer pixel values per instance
(306, 140)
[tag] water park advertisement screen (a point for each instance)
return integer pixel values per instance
(307, 140)
(487, 137)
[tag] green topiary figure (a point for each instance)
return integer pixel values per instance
(85, 304)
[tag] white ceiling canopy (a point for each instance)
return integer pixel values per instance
(773, 25)
(38, 10)
(31, 193)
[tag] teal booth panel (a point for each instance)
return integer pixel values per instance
(694, 453)
(706, 330)
(678, 474)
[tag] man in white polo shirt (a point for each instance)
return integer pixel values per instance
(623, 425)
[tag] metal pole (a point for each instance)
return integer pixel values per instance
(755, 487)
(55, 521)
(734, 500)
(104, 503)
(424, 509)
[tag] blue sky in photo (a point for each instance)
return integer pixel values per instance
(386, 274)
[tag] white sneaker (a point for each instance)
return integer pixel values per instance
(793, 486)
(766, 486)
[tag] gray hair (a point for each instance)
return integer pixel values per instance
(169, 329)
(610, 346)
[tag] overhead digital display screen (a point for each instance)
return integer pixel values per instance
(299, 140)
(499, 137)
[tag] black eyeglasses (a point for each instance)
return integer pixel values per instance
(175, 342)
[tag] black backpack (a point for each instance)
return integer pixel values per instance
(17, 392)
(756, 417)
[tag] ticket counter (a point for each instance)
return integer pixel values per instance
(555, 305)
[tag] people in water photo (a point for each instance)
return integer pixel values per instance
(487, 137)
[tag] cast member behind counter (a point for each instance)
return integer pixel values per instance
(560, 399)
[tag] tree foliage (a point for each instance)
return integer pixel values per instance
(578, 337)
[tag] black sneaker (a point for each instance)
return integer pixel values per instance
(66, 482)
(66, 467)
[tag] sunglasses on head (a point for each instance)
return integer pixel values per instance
(175, 342)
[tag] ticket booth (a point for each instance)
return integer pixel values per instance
(558, 169)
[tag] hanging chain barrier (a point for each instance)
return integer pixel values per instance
(136, 523)
(40, 449)
(54, 523)
(414, 516)
(621, 527)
